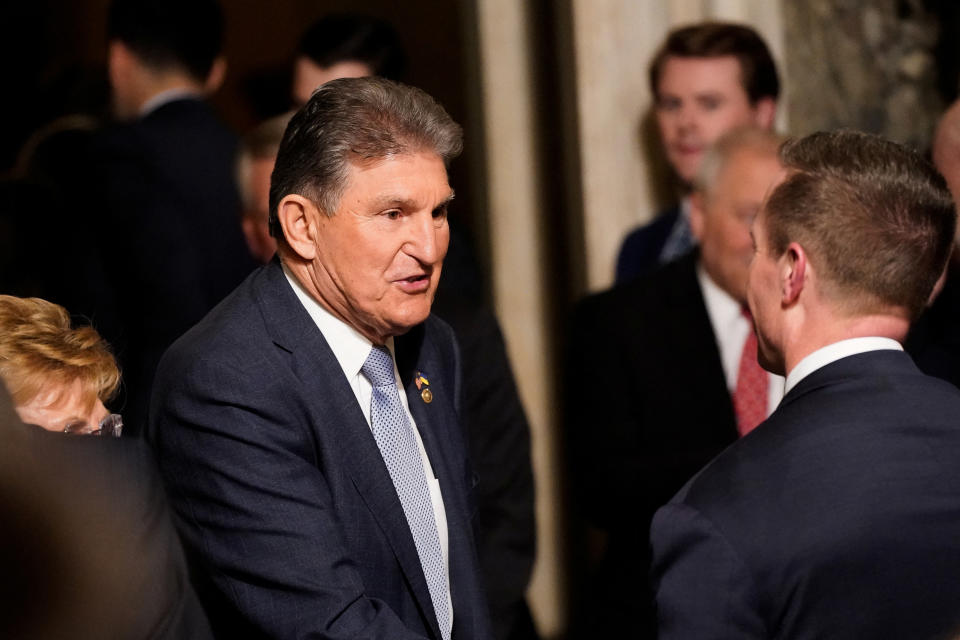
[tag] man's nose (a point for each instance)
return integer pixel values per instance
(427, 240)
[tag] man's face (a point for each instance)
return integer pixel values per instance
(379, 256)
(763, 296)
(698, 100)
(721, 219)
(308, 75)
(256, 228)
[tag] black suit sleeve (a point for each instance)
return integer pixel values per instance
(703, 588)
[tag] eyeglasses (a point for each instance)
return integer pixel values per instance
(111, 425)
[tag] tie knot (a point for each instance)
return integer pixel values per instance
(378, 367)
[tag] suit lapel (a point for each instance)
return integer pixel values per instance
(334, 405)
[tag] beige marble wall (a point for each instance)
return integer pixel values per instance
(518, 280)
(865, 65)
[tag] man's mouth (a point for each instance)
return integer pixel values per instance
(415, 283)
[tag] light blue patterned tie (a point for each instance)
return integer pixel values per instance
(398, 446)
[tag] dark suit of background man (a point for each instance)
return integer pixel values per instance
(837, 517)
(263, 416)
(87, 546)
(707, 79)
(164, 197)
(669, 348)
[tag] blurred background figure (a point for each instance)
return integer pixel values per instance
(934, 338)
(678, 354)
(345, 45)
(59, 377)
(87, 546)
(163, 193)
(255, 160)
(706, 79)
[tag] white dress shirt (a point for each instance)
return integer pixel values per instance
(351, 349)
(730, 329)
(833, 352)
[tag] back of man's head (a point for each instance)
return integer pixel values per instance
(761, 142)
(718, 39)
(182, 35)
(352, 37)
(355, 120)
(875, 219)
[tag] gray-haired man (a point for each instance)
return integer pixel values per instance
(308, 427)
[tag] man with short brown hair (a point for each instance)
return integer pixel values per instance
(706, 79)
(837, 517)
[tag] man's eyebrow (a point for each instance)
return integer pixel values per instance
(389, 201)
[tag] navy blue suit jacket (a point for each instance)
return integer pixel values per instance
(167, 218)
(839, 517)
(641, 248)
(285, 505)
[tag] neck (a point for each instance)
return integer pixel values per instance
(822, 332)
(303, 273)
(152, 84)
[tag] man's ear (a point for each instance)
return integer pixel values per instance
(793, 273)
(299, 218)
(764, 112)
(697, 213)
(218, 71)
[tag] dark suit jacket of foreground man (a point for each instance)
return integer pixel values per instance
(285, 504)
(839, 517)
(87, 543)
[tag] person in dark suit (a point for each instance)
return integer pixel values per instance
(163, 192)
(668, 349)
(707, 79)
(87, 546)
(837, 517)
(498, 436)
(934, 339)
(309, 427)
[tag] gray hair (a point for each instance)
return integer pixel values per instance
(729, 144)
(355, 120)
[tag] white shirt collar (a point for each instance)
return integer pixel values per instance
(723, 310)
(162, 98)
(350, 347)
(833, 352)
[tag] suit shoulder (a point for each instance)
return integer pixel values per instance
(645, 294)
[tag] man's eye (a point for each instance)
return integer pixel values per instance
(668, 104)
(393, 214)
(710, 103)
(440, 212)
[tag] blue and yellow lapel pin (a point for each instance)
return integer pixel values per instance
(424, 386)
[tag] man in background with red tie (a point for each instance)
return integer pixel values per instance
(662, 375)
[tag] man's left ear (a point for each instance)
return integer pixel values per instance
(218, 71)
(764, 112)
(793, 273)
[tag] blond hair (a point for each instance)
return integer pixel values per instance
(40, 351)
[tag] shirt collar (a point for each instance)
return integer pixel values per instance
(349, 346)
(833, 352)
(162, 98)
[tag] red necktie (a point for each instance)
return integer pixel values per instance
(750, 396)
